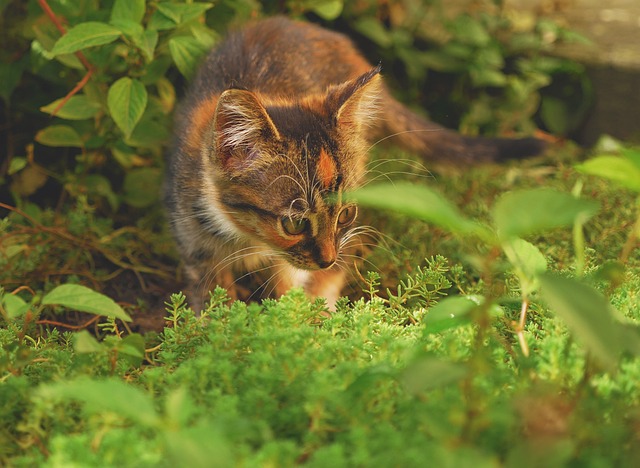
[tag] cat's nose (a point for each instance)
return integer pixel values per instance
(326, 263)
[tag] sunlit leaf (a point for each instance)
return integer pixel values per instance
(85, 35)
(127, 100)
(59, 136)
(620, 170)
(14, 305)
(78, 107)
(128, 10)
(431, 372)
(417, 202)
(78, 297)
(85, 342)
(527, 261)
(186, 53)
(525, 212)
(455, 311)
(102, 396)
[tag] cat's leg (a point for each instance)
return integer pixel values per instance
(328, 284)
(202, 278)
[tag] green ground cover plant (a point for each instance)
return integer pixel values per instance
(496, 324)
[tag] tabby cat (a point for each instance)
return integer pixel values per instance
(273, 131)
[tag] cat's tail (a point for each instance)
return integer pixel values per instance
(402, 127)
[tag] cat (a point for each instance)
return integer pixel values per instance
(272, 133)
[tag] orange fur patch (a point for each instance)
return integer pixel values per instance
(326, 168)
(201, 117)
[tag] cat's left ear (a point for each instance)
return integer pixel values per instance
(242, 129)
(355, 104)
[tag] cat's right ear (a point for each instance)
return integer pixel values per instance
(242, 126)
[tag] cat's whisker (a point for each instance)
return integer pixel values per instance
(404, 132)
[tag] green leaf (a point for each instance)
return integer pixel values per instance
(128, 10)
(417, 202)
(142, 186)
(78, 107)
(588, 314)
(85, 35)
(455, 311)
(78, 297)
(106, 396)
(555, 114)
(186, 52)
(127, 100)
(328, 9)
(617, 169)
(16, 165)
(10, 74)
(132, 345)
(430, 372)
(85, 342)
(59, 136)
(528, 263)
(525, 212)
(183, 12)
(373, 29)
(14, 305)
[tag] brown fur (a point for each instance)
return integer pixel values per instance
(273, 131)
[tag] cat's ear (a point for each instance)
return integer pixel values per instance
(242, 127)
(355, 104)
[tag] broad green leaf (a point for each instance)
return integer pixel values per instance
(179, 407)
(555, 114)
(127, 100)
(10, 74)
(373, 29)
(16, 165)
(78, 107)
(186, 52)
(328, 9)
(85, 342)
(620, 170)
(431, 372)
(85, 35)
(132, 345)
(14, 305)
(588, 314)
(128, 10)
(527, 261)
(142, 186)
(97, 184)
(419, 202)
(525, 212)
(183, 12)
(78, 297)
(59, 136)
(106, 396)
(470, 31)
(455, 311)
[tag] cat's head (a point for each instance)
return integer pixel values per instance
(281, 167)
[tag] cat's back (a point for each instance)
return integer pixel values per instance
(279, 57)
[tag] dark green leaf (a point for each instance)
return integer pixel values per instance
(588, 314)
(127, 100)
(78, 297)
(525, 212)
(142, 186)
(85, 35)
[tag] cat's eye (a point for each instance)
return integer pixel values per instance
(347, 215)
(294, 226)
